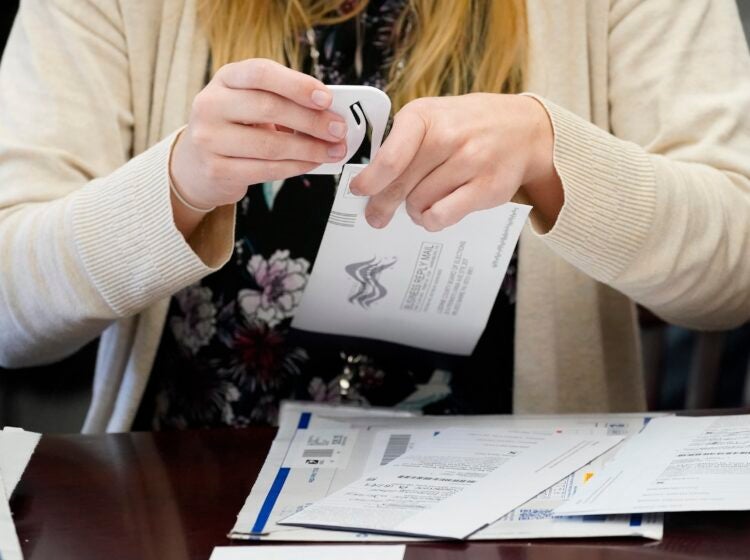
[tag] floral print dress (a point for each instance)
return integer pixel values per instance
(228, 356)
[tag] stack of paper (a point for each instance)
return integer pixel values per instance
(337, 474)
(453, 483)
(296, 474)
(16, 447)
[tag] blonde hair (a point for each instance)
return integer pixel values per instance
(451, 47)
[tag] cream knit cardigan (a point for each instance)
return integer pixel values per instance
(657, 196)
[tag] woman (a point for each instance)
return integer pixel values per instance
(633, 151)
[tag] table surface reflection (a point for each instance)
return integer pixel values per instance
(174, 496)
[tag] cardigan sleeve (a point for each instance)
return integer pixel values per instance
(86, 230)
(660, 207)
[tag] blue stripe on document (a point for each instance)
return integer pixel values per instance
(304, 421)
(270, 501)
(278, 484)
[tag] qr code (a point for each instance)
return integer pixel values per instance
(532, 514)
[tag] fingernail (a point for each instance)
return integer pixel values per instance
(321, 98)
(354, 188)
(337, 151)
(337, 129)
(375, 220)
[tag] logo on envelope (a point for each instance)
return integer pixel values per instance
(366, 275)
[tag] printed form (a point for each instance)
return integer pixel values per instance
(694, 464)
(454, 483)
(378, 436)
(404, 284)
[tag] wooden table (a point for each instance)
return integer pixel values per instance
(174, 496)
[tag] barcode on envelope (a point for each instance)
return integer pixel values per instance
(317, 453)
(397, 446)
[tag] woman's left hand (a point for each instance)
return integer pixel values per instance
(449, 156)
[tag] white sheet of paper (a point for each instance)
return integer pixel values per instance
(16, 448)
(674, 464)
(10, 548)
(317, 552)
(441, 487)
(404, 284)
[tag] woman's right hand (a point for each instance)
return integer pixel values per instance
(255, 121)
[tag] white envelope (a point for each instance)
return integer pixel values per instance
(406, 285)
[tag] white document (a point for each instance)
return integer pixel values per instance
(404, 284)
(16, 448)
(383, 435)
(455, 483)
(10, 548)
(317, 552)
(674, 464)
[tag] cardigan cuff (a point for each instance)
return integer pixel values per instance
(128, 242)
(610, 196)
